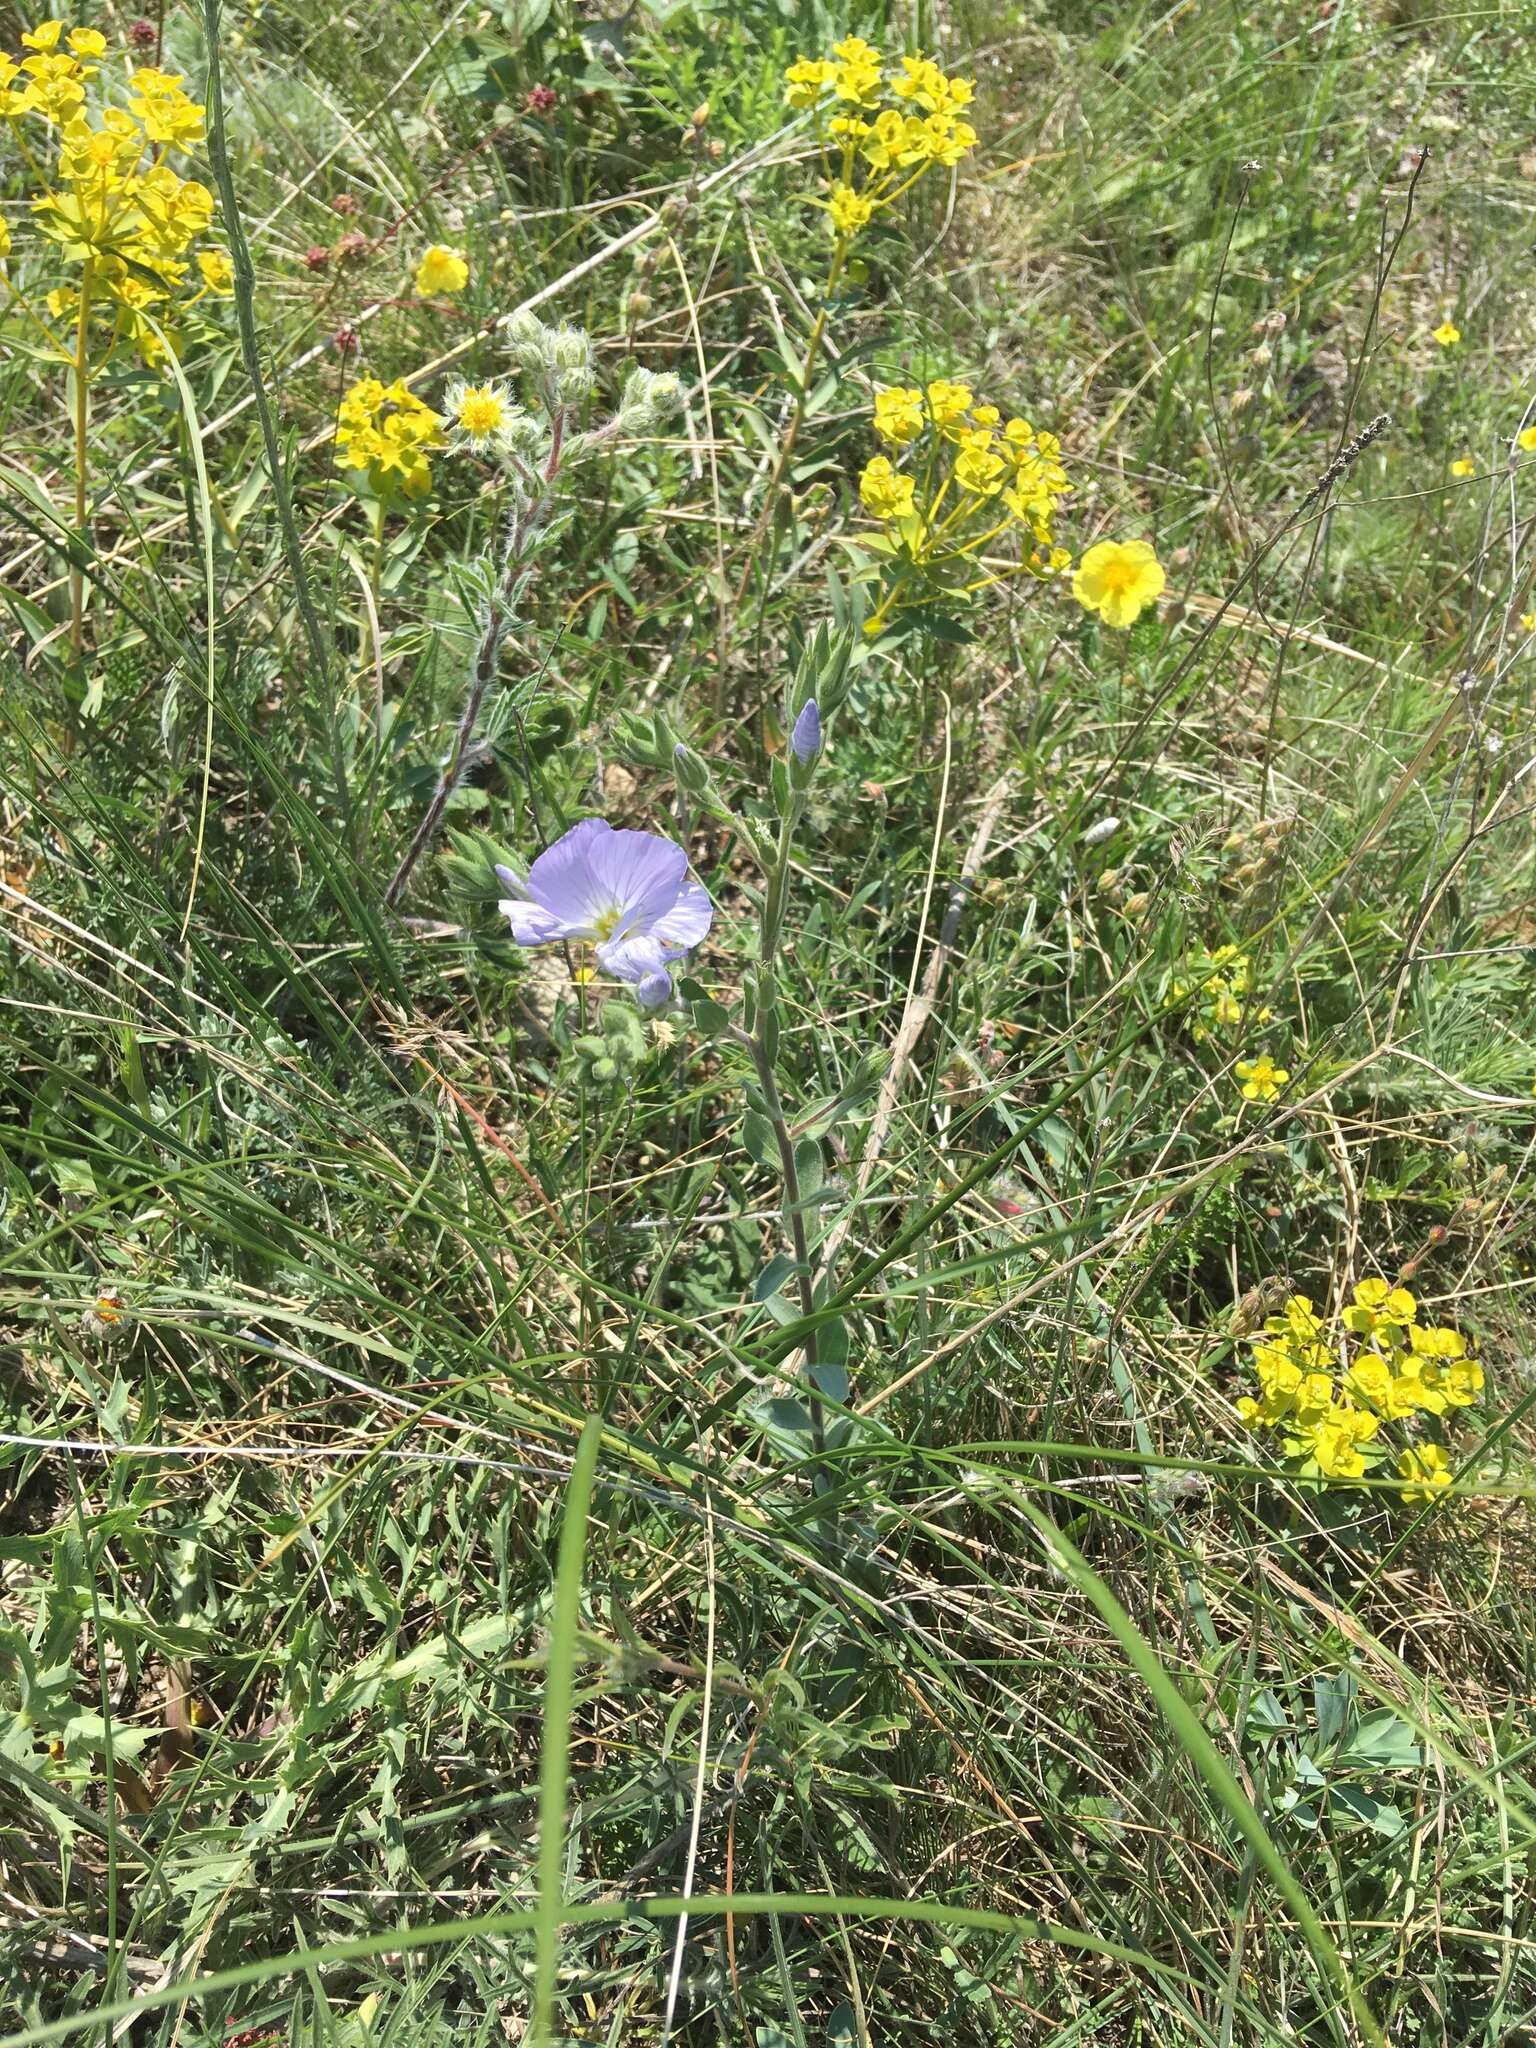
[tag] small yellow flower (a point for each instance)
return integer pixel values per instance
(1526, 440)
(977, 468)
(898, 415)
(850, 210)
(441, 270)
(884, 491)
(1463, 466)
(87, 42)
(1428, 1467)
(806, 81)
(1261, 1079)
(948, 405)
(218, 272)
(5, 239)
(1528, 622)
(44, 38)
(1447, 334)
(1118, 580)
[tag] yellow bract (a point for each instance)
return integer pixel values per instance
(1118, 580)
(113, 205)
(1331, 1387)
(967, 478)
(384, 431)
(880, 129)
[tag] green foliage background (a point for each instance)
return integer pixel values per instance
(1057, 1717)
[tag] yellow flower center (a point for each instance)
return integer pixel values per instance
(480, 412)
(606, 922)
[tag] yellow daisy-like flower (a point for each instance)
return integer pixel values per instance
(884, 491)
(1118, 580)
(898, 415)
(1526, 440)
(1463, 466)
(441, 270)
(1261, 1080)
(1430, 1470)
(1447, 334)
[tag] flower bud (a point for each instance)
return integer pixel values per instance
(655, 990)
(690, 770)
(805, 740)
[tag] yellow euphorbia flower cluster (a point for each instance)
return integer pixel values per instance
(880, 128)
(1329, 1389)
(958, 478)
(1220, 981)
(113, 206)
(384, 432)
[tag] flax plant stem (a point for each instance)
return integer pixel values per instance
(761, 1043)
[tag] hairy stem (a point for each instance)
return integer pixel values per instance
(524, 526)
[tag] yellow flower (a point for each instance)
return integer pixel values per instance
(5, 239)
(1261, 1079)
(850, 210)
(481, 415)
(899, 414)
(441, 270)
(1528, 622)
(856, 77)
(1428, 1467)
(481, 409)
(806, 80)
(1447, 334)
(87, 42)
(164, 109)
(1118, 580)
(384, 432)
(884, 491)
(948, 405)
(1391, 1304)
(1526, 440)
(45, 37)
(1463, 466)
(977, 469)
(217, 271)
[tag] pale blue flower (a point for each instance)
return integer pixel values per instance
(626, 894)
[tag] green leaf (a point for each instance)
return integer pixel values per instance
(759, 1141)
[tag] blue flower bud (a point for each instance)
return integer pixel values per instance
(805, 740)
(655, 990)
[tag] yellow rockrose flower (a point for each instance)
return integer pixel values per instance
(441, 271)
(1118, 580)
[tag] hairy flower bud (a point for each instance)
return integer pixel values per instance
(648, 399)
(691, 770)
